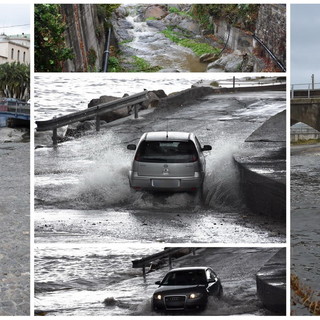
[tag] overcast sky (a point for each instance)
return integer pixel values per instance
(305, 43)
(12, 17)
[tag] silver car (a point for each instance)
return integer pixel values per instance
(168, 161)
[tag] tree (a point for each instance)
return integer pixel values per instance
(15, 80)
(50, 48)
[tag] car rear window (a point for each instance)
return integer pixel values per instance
(167, 151)
(189, 277)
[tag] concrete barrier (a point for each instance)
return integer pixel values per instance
(263, 169)
(271, 283)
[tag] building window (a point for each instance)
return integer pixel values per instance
(12, 53)
(18, 57)
(24, 57)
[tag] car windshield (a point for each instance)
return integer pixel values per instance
(185, 277)
(167, 151)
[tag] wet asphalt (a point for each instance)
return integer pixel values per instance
(15, 229)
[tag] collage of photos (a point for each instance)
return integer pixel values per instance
(159, 159)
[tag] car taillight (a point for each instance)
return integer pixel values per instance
(137, 157)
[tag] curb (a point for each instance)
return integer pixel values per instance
(263, 171)
(271, 283)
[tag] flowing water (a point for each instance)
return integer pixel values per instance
(83, 203)
(152, 45)
(305, 218)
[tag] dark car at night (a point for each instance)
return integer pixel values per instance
(186, 289)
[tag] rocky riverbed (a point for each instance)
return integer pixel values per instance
(169, 38)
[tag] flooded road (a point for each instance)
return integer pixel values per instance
(90, 279)
(14, 226)
(89, 225)
(82, 190)
(305, 218)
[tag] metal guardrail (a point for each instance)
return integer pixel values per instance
(167, 253)
(93, 112)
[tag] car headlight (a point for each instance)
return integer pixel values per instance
(157, 296)
(194, 295)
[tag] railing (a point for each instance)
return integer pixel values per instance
(271, 54)
(93, 112)
(21, 108)
(167, 253)
(305, 90)
(303, 130)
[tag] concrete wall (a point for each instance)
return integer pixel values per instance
(271, 29)
(238, 39)
(271, 283)
(81, 35)
(306, 111)
(304, 136)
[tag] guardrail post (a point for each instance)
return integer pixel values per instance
(135, 108)
(55, 136)
(234, 82)
(98, 122)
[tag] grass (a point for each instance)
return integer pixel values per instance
(125, 41)
(141, 65)
(114, 65)
(177, 11)
(197, 47)
(151, 18)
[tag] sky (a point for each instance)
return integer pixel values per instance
(305, 43)
(14, 15)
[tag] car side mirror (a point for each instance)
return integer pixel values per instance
(131, 147)
(158, 283)
(206, 147)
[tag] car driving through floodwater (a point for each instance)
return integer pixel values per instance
(185, 289)
(168, 161)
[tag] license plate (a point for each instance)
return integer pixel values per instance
(162, 183)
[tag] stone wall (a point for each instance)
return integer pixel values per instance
(83, 29)
(271, 29)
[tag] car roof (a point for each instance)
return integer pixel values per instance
(168, 136)
(189, 268)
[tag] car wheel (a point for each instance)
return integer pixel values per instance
(220, 294)
(199, 194)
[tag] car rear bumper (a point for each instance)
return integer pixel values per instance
(174, 184)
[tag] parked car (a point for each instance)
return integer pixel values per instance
(168, 161)
(186, 289)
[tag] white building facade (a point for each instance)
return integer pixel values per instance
(15, 49)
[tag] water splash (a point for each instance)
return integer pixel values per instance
(221, 187)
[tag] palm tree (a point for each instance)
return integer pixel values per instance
(15, 80)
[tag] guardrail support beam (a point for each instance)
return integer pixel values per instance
(135, 108)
